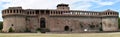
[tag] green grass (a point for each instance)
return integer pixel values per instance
(60, 35)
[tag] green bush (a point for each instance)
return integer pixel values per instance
(0, 30)
(1, 25)
(119, 23)
(43, 30)
(10, 29)
(101, 29)
(27, 30)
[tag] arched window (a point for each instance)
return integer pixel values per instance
(81, 25)
(92, 26)
(10, 11)
(27, 12)
(37, 11)
(12, 25)
(17, 11)
(47, 12)
(30, 13)
(101, 27)
(42, 12)
(14, 11)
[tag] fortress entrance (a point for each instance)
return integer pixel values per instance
(100, 27)
(42, 23)
(66, 28)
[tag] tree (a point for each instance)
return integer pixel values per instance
(43, 30)
(10, 29)
(119, 23)
(27, 30)
(1, 25)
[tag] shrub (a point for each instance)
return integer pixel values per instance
(0, 31)
(27, 30)
(10, 29)
(1, 25)
(101, 29)
(43, 30)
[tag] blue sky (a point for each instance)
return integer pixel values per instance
(91, 5)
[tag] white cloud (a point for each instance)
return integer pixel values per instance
(106, 3)
(81, 6)
(84, 4)
(39, 4)
(50, 4)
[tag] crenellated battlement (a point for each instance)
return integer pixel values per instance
(13, 11)
(62, 10)
(109, 13)
(86, 13)
(50, 12)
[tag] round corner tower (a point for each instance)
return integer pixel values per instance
(13, 18)
(110, 20)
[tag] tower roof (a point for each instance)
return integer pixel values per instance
(62, 4)
(108, 10)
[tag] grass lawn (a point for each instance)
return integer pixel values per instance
(117, 34)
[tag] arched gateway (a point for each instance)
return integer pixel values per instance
(42, 23)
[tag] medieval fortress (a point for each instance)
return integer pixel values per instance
(61, 19)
